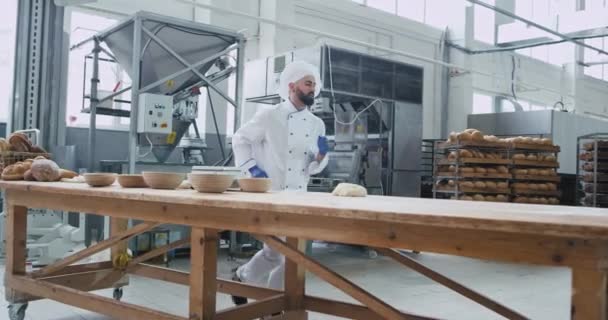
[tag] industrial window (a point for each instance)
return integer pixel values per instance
(485, 23)
(82, 26)
(482, 103)
(7, 55)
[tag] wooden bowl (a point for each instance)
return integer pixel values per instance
(163, 180)
(210, 182)
(132, 181)
(255, 184)
(99, 179)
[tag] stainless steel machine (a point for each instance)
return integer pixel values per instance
(168, 61)
(372, 109)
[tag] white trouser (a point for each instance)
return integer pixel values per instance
(266, 268)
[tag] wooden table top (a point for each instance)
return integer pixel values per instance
(565, 221)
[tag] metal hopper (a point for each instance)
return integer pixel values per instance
(165, 55)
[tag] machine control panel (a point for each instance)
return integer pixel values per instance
(155, 113)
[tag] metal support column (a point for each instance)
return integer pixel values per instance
(239, 83)
(93, 106)
(135, 86)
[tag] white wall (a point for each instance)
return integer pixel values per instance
(536, 81)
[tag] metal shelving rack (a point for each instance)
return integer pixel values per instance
(592, 170)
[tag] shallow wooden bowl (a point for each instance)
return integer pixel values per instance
(163, 180)
(210, 182)
(132, 181)
(99, 179)
(255, 184)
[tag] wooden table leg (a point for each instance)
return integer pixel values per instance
(295, 284)
(16, 239)
(203, 273)
(118, 225)
(589, 294)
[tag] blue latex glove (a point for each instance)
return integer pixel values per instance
(323, 145)
(257, 172)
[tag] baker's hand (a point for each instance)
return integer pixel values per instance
(257, 172)
(323, 145)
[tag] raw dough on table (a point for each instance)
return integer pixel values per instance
(349, 190)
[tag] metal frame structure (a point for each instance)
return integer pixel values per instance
(138, 32)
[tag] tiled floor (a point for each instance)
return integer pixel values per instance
(538, 292)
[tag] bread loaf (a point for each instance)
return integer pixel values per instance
(553, 201)
(492, 170)
(470, 130)
(502, 169)
(490, 198)
(519, 156)
(520, 200)
(45, 170)
(466, 154)
(464, 136)
(532, 186)
(551, 186)
(542, 187)
(467, 184)
(502, 185)
(467, 170)
(547, 141)
(533, 172)
(4, 145)
(479, 197)
(537, 141)
(27, 176)
(550, 158)
(491, 185)
(531, 157)
(467, 198)
(67, 174)
(19, 142)
(501, 198)
(543, 200)
(520, 171)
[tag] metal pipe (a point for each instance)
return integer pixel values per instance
(93, 106)
(117, 93)
(189, 66)
(536, 25)
(217, 128)
(196, 65)
(108, 53)
(135, 84)
(240, 72)
(524, 46)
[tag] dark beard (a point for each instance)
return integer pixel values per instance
(307, 99)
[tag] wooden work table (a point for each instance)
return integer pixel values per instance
(573, 237)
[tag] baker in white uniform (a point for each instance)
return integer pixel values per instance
(287, 144)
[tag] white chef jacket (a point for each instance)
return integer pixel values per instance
(282, 141)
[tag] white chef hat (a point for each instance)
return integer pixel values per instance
(296, 71)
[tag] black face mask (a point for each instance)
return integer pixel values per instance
(307, 99)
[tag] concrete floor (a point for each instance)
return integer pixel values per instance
(537, 292)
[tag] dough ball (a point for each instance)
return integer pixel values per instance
(349, 190)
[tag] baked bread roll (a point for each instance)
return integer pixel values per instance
(546, 141)
(531, 157)
(533, 186)
(502, 185)
(519, 156)
(492, 170)
(502, 169)
(520, 200)
(527, 140)
(534, 172)
(67, 174)
(467, 184)
(470, 130)
(27, 176)
(466, 154)
(19, 142)
(45, 170)
(464, 136)
(491, 185)
(479, 197)
(551, 186)
(14, 172)
(520, 171)
(4, 145)
(477, 136)
(480, 185)
(550, 158)
(467, 170)
(452, 156)
(452, 138)
(540, 157)
(553, 201)
(452, 168)
(490, 198)
(543, 200)
(467, 198)
(481, 170)
(501, 198)
(537, 140)
(490, 138)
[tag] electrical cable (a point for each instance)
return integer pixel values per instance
(149, 151)
(513, 78)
